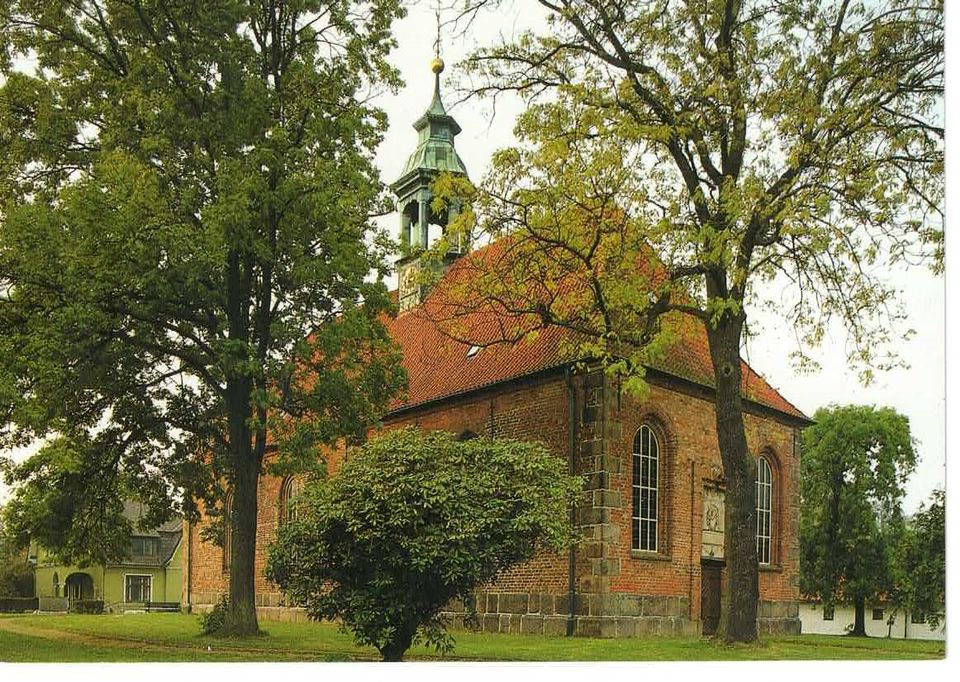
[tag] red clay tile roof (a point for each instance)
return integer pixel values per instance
(438, 366)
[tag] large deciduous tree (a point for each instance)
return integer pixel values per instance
(414, 520)
(854, 463)
(16, 572)
(185, 191)
(688, 159)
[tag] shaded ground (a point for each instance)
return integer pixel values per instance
(174, 637)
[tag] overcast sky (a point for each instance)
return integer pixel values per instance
(917, 392)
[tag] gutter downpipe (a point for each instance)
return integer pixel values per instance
(572, 470)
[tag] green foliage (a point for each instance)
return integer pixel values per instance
(186, 247)
(69, 499)
(923, 579)
(737, 142)
(212, 622)
(413, 521)
(855, 461)
(16, 573)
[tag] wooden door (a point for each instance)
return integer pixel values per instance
(710, 586)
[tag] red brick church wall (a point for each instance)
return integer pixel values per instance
(615, 585)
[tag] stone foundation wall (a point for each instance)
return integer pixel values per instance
(608, 615)
(595, 615)
(285, 614)
(778, 618)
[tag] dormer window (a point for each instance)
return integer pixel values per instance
(140, 546)
(473, 350)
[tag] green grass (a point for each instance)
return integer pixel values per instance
(17, 648)
(174, 637)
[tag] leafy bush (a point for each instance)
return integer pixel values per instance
(211, 622)
(413, 521)
(86, 606)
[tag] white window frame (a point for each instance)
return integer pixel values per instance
(645, 527)
(149, 587)
(764, 505)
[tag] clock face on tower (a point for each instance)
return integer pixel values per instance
(408, 285)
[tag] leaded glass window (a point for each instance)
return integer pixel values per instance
(764, 510)
(646, 475)
(288, 496)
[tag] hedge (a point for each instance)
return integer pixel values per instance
(18, 604)
(86, 605)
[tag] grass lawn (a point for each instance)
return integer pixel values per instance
(174, 637)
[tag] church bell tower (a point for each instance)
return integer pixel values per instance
(435, 154)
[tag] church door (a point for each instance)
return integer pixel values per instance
(710, 586)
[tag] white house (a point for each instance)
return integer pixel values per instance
(815, 618)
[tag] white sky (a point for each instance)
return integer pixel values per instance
(918, 392)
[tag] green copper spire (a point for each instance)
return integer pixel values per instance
(435, 152)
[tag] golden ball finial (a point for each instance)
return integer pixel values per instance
(436, 65)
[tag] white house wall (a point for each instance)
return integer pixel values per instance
(812, 622)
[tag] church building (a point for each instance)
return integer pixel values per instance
(651, 556)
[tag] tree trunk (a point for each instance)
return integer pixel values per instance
(394, 650)
(859, 622)
(241, 616)
(738, 621)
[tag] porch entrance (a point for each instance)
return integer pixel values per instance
(710, 592)
(79, 586)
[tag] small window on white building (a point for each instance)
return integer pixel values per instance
(878, 614)
(828, 613)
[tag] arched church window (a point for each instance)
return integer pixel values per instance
(289, 491)
(646, 475)
(227, 531)
(764, 510)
